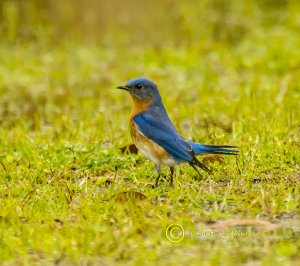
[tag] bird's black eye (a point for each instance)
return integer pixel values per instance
(139, 86)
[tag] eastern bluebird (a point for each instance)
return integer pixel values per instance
(156, 137)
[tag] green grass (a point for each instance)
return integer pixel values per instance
(62, 171)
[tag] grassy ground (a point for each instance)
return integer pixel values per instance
(69, 195)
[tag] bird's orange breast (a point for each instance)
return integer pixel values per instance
(146, 146)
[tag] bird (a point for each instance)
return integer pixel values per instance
(156, 137)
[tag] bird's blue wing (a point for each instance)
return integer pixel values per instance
(160, 129)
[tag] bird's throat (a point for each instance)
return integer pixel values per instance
(139, 106)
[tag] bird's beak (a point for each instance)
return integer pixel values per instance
(125, 88)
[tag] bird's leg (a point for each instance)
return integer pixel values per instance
(172, 174)
(158, 171)
(196, 169)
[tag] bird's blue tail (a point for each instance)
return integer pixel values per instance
(201, 149)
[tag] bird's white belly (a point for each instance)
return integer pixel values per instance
(147, 149)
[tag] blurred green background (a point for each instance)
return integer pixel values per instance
(145, 22)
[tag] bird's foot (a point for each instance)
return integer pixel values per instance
(158, 178)
(171, 181)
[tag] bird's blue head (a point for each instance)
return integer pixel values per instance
(142, 89)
